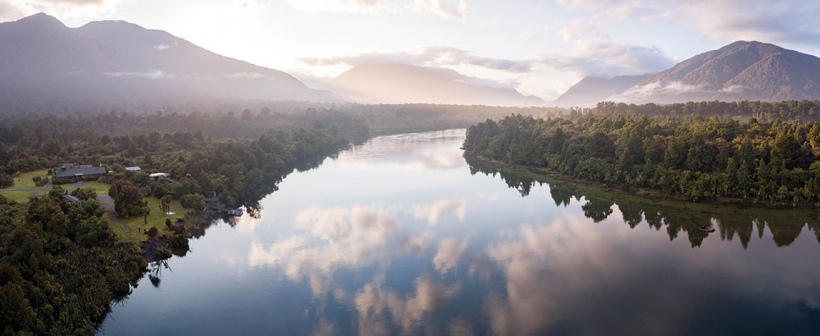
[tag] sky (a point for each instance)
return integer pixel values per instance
(540, 47)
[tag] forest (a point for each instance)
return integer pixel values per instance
(694, 157)
(61, 264)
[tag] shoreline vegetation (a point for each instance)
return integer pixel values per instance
(694, 158)
(65, 260)
(677, 218)
(63, 263)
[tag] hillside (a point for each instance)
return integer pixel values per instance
(591, 90)
(42, 60)
(739, 71)
(404, 83)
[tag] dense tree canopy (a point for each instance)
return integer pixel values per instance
(695, 158)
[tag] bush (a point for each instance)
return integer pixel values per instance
(193, 201)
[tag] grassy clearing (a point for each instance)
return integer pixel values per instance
(99, 187)
(20, 196)
(24, 180)
(132, 229)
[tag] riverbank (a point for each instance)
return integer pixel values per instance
(643, 192)
(676, 215)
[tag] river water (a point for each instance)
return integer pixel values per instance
(402, 235)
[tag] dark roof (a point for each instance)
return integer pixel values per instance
(72, 172)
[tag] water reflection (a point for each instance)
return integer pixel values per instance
(370, 243)
(693, 220)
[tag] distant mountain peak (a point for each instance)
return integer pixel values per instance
(398, 83)
(121, 62)
(40, 19)
(742, 70)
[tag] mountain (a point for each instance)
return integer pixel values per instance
(739, 71)
(118, 62)
(591, 90)
(404, 83)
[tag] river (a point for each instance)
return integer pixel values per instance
(402, 235)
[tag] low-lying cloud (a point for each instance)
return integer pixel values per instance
(426, 56)
(152, 74)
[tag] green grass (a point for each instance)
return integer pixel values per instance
(99, 187)
(20, 196)
(24, 180)
(132, 229)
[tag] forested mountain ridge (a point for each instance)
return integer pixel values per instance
(739, 71)
(693, 158)
(42, 61)
(743, 70)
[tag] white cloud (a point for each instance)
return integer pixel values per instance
(606, 59)
(448, 255)
(375, 303)
(246, 75)
(433, 212)
(352, 6)
(161, 47)
(63, 9)
(152, 74)
(765, 20)
(426, 56)
(443, 8)
(456, 9)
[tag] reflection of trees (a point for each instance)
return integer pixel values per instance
(561, 194)
(597, 209)
(515, 181)
(691, 220)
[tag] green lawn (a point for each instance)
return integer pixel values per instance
(24, 180)
(20, 196)
(99, 187)
(132, 229)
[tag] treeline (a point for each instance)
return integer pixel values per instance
(694, 158)
(236, 122)
(803, 110)
(60, 266)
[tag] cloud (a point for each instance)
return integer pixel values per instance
(152, 74)
(456, 10)
(426, 56)
(444, 8)
(606, 59)
(10, 11)
(62, 9)
(791, 21)
(765, 20)
(246, 75)
(433, 212)
(448, 255)
(351, 6)
(161, 47)
(375, 304)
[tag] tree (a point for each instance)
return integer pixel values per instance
(165, 204)
(193, 201)
(128, 200)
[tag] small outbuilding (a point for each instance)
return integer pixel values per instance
(134, 168)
